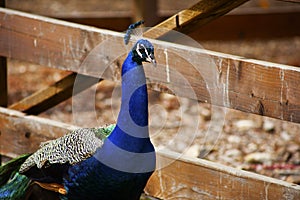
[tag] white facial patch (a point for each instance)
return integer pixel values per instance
(139, 47)
(138, 50)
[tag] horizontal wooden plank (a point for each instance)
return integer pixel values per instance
(40, 36)
(266, 7)
(292, 1)
(248, 85)
(94, 9)
(187, 178)
(241, 23)
(123, 8)
(176, 177)
(20, 133)
(49, 97)
(67, 9)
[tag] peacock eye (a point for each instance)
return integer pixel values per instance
(142, 51)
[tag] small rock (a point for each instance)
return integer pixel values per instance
(293, 179)
(205, 114)
(234, 153)
(269, 126)
(295, 158)
(193, 151)
(258, 157)
(251, 147)
(293, 148)
(179, 146)
(285, 136)
(169, 101)
(245, 125)
(234, 139)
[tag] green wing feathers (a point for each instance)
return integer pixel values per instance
(104, 132)
(11, 167)
(12, 184)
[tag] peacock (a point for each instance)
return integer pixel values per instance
(113, 162)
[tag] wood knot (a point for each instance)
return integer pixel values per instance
(261, 108)
(27, 134)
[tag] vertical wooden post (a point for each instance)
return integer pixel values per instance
(3, 82)
(3, 79)
(145, 10)
(3, 74)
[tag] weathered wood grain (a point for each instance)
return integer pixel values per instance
(186, 178)
(177, 177)
(54, 94)
(74, 8)
(20, 133)
(92, 8)
(249, 85)
(194, 17)
(62, 90)
(46, 41)
(241, 23)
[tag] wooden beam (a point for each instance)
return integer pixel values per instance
(3, 82)
(22, 133)
(56, 93)
(74, 8)
(35, 33)
(291, 1)
(3, 79)
(248, 85)
(94, 9)
(177, 176)
(194, 17)
(3, 3)
(187, 178)
(51, 96)
(3, 76)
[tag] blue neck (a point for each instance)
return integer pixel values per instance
(134, 93)
(131, 132)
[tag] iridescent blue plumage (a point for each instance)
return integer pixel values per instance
(85, 165)
(121, 167)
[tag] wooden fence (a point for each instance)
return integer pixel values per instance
(248, 85)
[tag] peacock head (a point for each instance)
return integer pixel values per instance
(143, 51)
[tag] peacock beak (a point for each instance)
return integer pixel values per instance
(151, 59)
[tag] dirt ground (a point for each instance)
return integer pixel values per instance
(260, 144)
